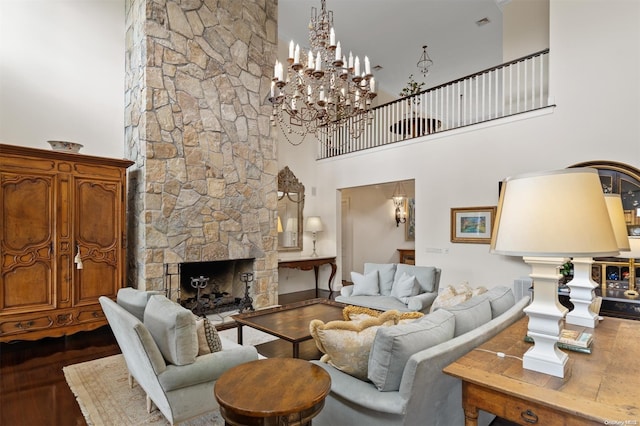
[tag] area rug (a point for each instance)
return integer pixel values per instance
(250, 336)
(105, 398)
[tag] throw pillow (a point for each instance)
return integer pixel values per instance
(501, 299)
(405, 287)
(173, 328)
(346, 344)
(426, 276)
(359, 313)
(448, 297)
(393, 346)
(365, 285)
(471, 314)
(208, 338)
(453, 295)
(386, 274)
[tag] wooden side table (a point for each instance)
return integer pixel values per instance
(276, 391)
(599, 388)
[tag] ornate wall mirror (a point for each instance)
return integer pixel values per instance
(290, 207)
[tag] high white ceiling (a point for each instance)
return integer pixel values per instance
(392, 32)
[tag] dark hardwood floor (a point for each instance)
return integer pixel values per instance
(33, 391)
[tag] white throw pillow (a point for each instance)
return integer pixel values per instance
(365, 285)
(405, 287)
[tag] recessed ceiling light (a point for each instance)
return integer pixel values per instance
(483, 21)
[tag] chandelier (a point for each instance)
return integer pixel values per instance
(425, 62)
(322, 92)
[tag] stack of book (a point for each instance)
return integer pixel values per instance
(577, 340)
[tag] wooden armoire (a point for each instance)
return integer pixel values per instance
(63, 240)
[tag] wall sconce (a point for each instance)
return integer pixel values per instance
(314, 225)
(399, 195)
(280, 225)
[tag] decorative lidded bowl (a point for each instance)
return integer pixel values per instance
(65, 146)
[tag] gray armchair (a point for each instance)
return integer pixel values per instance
(180, 392)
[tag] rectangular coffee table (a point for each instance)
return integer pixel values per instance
(290, 322)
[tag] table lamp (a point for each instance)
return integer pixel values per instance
(292, 229)
(632, 254)
(582, 286)
(548, 217)
(314, 225)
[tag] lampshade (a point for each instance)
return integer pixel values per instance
(634, 249)
(279, 225)
(292, 224)
(399, 193)
(616, 214)
(553, 213)
(314, 224)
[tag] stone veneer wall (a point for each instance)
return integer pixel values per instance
(204, 183)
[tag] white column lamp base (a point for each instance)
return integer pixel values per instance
(582, 295)
(545, 318)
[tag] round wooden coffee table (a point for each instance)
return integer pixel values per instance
(277, 391)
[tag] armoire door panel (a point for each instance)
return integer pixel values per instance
(26, 271)
(96, 279)
(98, 230)
(27, 288)
(27, 211)
(97, 212)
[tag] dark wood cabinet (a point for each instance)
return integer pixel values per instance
(57, 207)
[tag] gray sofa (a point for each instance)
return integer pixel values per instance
(158, 340)
(390, 278)
(406, 361)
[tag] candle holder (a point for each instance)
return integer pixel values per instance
(247, 301)
(199, 283)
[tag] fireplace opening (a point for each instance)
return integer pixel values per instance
(211, 287)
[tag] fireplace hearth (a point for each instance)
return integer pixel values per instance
(211, 287)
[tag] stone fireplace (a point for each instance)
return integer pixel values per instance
(210, 287)
(204, 184)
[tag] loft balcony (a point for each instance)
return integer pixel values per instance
(507, 90)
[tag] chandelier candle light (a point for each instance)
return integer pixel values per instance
(322, 91)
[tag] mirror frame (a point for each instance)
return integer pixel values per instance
(289, 184)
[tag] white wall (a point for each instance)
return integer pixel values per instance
(373, 220)
(525, 28)
(598, 105)
(62, 73)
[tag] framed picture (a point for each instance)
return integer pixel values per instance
(472, 224)
(410, 224)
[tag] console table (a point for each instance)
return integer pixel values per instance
(599, 388)
(310, 263)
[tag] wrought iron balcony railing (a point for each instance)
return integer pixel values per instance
(508, 89)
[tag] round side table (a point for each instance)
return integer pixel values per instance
(277, 391)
